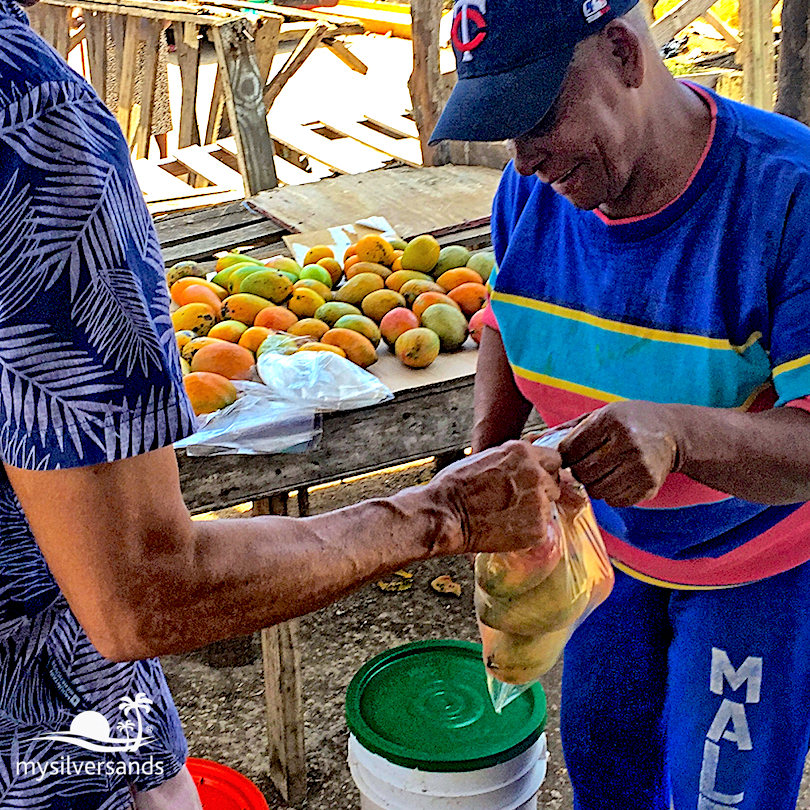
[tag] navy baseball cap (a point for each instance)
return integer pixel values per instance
(512, 56)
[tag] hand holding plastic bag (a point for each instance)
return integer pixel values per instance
(528, 603)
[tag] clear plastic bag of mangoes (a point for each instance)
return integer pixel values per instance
(529, 602)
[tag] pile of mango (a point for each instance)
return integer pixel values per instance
(417, 297)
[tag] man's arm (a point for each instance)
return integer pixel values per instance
(623, 452)
(144, 579)
(501, 410)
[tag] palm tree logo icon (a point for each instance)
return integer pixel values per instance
(91, 730)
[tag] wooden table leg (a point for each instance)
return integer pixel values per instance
(281, 659)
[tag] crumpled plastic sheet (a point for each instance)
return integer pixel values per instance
(256, 423)
(321, 380)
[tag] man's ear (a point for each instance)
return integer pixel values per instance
(626, 52)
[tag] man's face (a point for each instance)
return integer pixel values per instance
(583, 146)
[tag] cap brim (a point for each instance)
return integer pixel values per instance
(504, 105)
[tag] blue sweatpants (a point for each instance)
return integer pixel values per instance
(698, 700)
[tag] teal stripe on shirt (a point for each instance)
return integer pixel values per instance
(610, 360)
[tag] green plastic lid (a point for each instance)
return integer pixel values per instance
(425, 705)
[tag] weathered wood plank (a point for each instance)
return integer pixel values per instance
(346, 56)
(187, 50)
(406, 150)
(437, 197)
(200, 161)
(415, 424)
(95, 26)
(281, 661)
(297, 58)
(242, 89)
(150, 32)
(425, 84)
(292, 32)
(128, 74)
(665, 28)
(757, 53)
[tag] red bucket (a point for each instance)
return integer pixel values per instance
(223, 788)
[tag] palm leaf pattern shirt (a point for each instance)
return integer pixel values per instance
(89, 373)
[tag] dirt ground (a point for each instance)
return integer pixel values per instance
(222, 704)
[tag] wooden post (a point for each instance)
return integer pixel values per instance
(151, 30)
(95, 26)
(425, 83)
(242, 89)
(187, 49)
(756, 53)
(793, 94)
(281, 660)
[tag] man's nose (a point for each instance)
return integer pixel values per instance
(528, 154)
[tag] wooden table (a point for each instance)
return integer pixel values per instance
(426, 420)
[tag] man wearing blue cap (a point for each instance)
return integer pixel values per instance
(653, 292)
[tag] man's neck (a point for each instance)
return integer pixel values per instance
(675, 139)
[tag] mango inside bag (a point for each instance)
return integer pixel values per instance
(528, 603)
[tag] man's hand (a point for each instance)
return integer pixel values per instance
(500, 497)
(623, 452)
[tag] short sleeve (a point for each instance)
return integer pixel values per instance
(790, 326)
(89, 368)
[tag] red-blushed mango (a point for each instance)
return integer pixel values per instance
(228, 359)
(275, 317)
(198, 294)
(448, 323)
(373, 248)
(309, 327)
(395, 322)
(228, 330)
(253, 337)
(377, 304)
(476, 325)
(424, 300)
(178, 287)
(417, 348)
(358, 348)
(198, 318)
(469, 296)
(458, 275)
(208, 392)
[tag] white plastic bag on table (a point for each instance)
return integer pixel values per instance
(529, 602)
(255, 423)
(321, 380)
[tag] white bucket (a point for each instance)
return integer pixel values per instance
(510, 785)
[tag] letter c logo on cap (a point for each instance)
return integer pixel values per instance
(468, 13)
